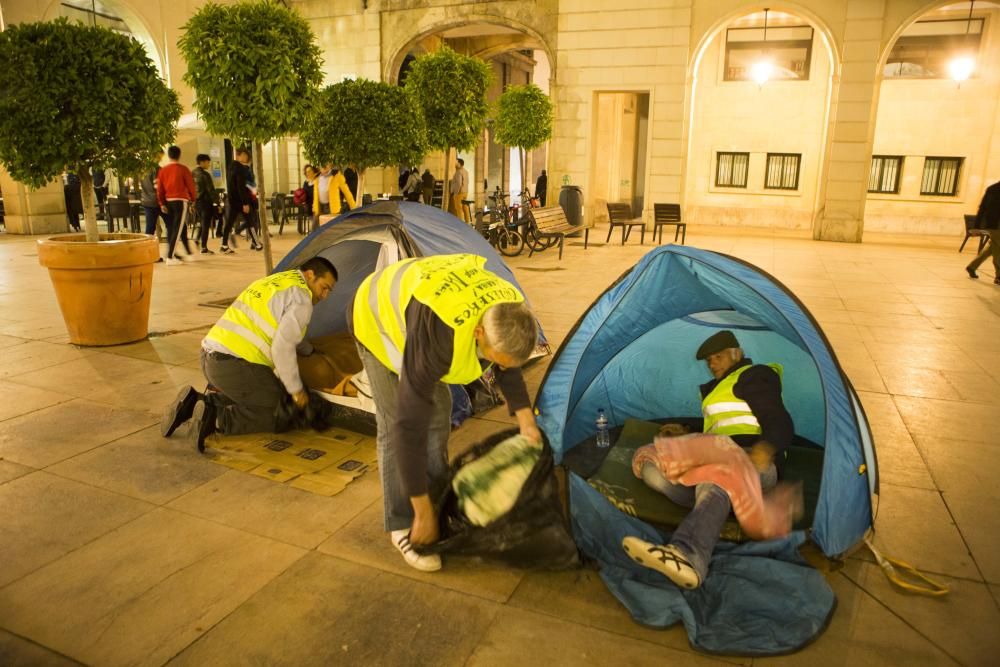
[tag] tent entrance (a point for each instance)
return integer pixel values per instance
(609, 471)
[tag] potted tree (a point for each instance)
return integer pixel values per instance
(254, 67)
(523, 120)
(451, 91)
(365, 124)
(75, 96)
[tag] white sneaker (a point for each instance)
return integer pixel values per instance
(666, 559)
(401, 540)
(172, 261)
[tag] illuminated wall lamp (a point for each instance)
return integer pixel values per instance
(761, 70)
(962, 67)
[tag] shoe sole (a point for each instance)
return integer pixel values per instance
(638, 550)
(179, 411)
(201, 425)
(415, 564)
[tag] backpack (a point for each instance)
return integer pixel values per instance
(299, 196)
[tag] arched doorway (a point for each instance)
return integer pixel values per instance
(517, 55)
(757, 120)
(932, 157)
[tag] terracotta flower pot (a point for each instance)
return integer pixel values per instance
(103, 288)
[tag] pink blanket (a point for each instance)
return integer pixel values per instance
(699, 457)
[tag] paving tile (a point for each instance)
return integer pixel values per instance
(908, 380)
(278, 511)
(43, 517)
(363, 541)
(899, 460)
(970, 634)
(327, 611)
(143, 465)
(581, 596)
(19, 652)
(52, 434)
(18, 399)
(116, 379)
(863, 374)
(974, 387)
(953, 419)
(520, 637)
(915, 526)
(10, 470)
(144, 592)
(37, 354)
(10, 341)
(175, 349)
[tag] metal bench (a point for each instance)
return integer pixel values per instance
(620, 215)
(550, 224)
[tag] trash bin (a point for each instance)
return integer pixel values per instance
(571, 201)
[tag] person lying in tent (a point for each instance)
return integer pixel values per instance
(422, 324)
(250, 356)
(743, 402)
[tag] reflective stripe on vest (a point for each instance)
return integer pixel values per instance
(248, 326)
(725, 413)
(456, 287)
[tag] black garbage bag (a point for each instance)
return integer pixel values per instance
(533, 534)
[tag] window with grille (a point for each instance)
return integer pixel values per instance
(940, 176)
(885, 173)
(782, 171)
(731, 170)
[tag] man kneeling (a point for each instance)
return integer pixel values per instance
(250, 356)
(744, 403)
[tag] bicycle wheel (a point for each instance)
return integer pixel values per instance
(510, 243)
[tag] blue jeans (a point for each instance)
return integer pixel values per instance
(699, 532)
(397, 510)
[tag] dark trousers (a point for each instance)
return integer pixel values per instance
(177, 226)
(206, 214)
(992, 249)
(153, 213)
(236, 211)
(248, 394)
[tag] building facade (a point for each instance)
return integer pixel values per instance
(860, 123)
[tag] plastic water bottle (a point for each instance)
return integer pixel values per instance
(603, 437)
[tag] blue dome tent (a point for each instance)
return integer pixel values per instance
(361, 241)
(632, 354)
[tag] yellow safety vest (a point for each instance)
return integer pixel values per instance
(248, 326)
(456, 287)
(726, 414)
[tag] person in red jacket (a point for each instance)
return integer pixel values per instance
(175, 190)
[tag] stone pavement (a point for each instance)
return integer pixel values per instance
(118, 547)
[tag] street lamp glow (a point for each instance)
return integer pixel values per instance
(761, 71)
(962, 68)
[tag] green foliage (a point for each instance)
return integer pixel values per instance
(451, 90)
(254, 67)
(524, 117)
(75, 95)
(366, 124)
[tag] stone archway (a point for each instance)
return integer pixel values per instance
(704, 200)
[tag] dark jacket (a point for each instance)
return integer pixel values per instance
(541, 185)
(351, 177)
(237, 177)
(760, 387)
(205, 186)
(988, 216)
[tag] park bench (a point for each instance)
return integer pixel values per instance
(550, 226)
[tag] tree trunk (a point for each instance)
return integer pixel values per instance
(360, 198)
(524, 173)
(265, 236)
(446, 184)
(89, 214)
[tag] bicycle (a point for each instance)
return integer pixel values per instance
(501, 231)
(535, 241)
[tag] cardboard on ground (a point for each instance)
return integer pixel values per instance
(322, 463)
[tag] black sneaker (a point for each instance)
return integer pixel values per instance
(227, 251)
(206, 251)
(179, 411)
(202, 424)
(972, 273)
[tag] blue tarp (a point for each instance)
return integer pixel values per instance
(632, 354)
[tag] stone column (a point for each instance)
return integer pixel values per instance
(27, 211)
(853, 109)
